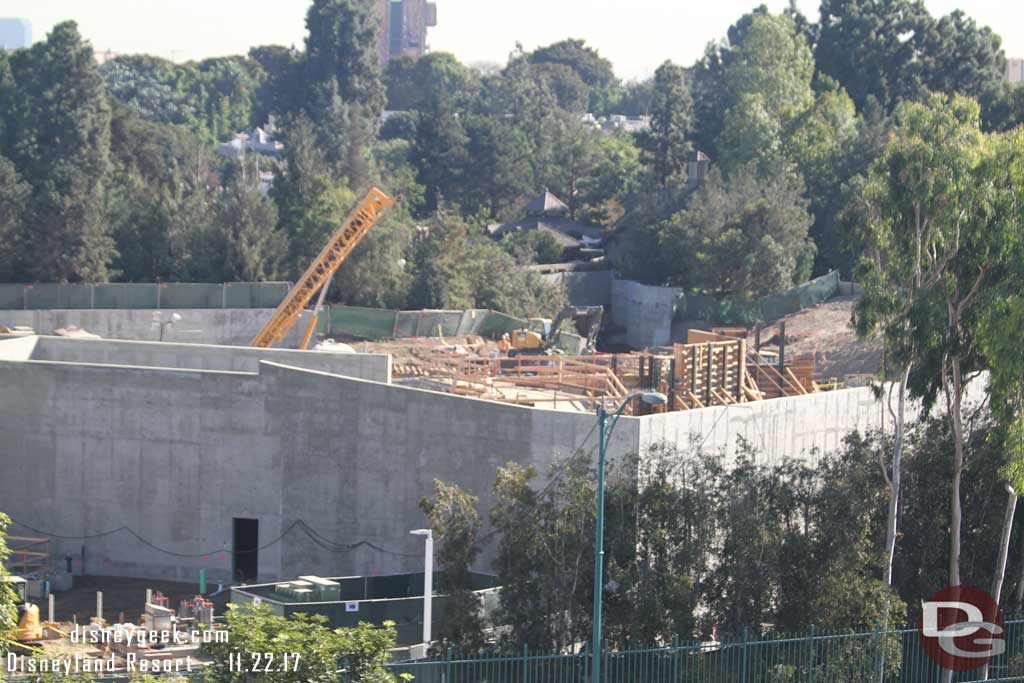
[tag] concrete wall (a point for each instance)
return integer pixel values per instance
(785, 427)
(586, 287)
(232, 326)
(17, 348)
(375, 367)
(646, 312)
(325, 463)
(174, 455)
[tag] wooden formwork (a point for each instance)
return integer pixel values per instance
(716, 370)
(28, 554)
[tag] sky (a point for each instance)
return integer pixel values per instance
(636, 35)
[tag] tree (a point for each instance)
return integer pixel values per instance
(280, 88)
(456, 525)
(312, 650)
(249, 244)
(14, 195)
(545, 556)
(774, 61)
(497, 167)
(8, 600)
(742, 236)
(963, 59)
(342, 82)
(916, 195)
(63, 153)
(591, 68)
(455, 268)
(873, 48)
(311, 205)
(665, 146)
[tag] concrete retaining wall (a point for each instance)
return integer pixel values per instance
(375, 367)
(646, 312)
(231, 326)
(324, 462)
(175, 455)
(586, 287)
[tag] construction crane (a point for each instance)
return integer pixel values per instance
(317, 277)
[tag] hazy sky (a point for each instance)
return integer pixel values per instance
(636, 35)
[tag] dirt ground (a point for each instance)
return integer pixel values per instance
(121, 595)
(825, 331)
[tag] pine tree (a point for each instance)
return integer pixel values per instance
(665, 145)
(62, 150)
(341, 74)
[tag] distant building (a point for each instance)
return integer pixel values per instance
(15, 34)
(259, 141)
(1015, 70)
(630, 124)
(549, 214)
(104, 56)
(403, 28)
(697, 166)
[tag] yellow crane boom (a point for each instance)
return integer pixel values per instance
(319, 274)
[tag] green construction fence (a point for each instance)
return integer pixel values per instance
(375, 324)
(765, 309)
(142, 295)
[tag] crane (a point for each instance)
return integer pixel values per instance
(317, 277)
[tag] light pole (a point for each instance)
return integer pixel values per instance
(604, 430)
(428, 582)
(158, 321)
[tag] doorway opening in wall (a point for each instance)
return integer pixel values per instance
(246, 548)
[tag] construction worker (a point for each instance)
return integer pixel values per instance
(504, 344)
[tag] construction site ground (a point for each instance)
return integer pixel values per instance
(121, 595)
(824, 330)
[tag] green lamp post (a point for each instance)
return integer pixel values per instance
(605, 424)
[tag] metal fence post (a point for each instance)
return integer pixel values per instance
(810, 658)
(448, 666)
(526, 661)
(743, 664)
(874, 654)
(675, 658)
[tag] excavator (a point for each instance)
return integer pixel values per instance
(318, 276)
(539, 338)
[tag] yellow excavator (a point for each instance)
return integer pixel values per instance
(539, 338)
(318, 276)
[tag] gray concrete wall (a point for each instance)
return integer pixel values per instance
(174, 455)
(375, 367)
(586, 287)
(231, 326)
(785, 427)
(646, 312)
(17, 348)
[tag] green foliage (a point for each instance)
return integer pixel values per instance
(248, 243)
(63, 153)
(14, 194)
(456, 525)
(455, 268)
(589, 69)
(8, 607)
(665, 145)
(361, 652)
(745, 236)
(213, 98)
(343, 91)
(532, 246)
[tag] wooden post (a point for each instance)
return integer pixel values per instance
(741, 374)
(694, 367)
(672, 385)
(710, 371)
(782, 345)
